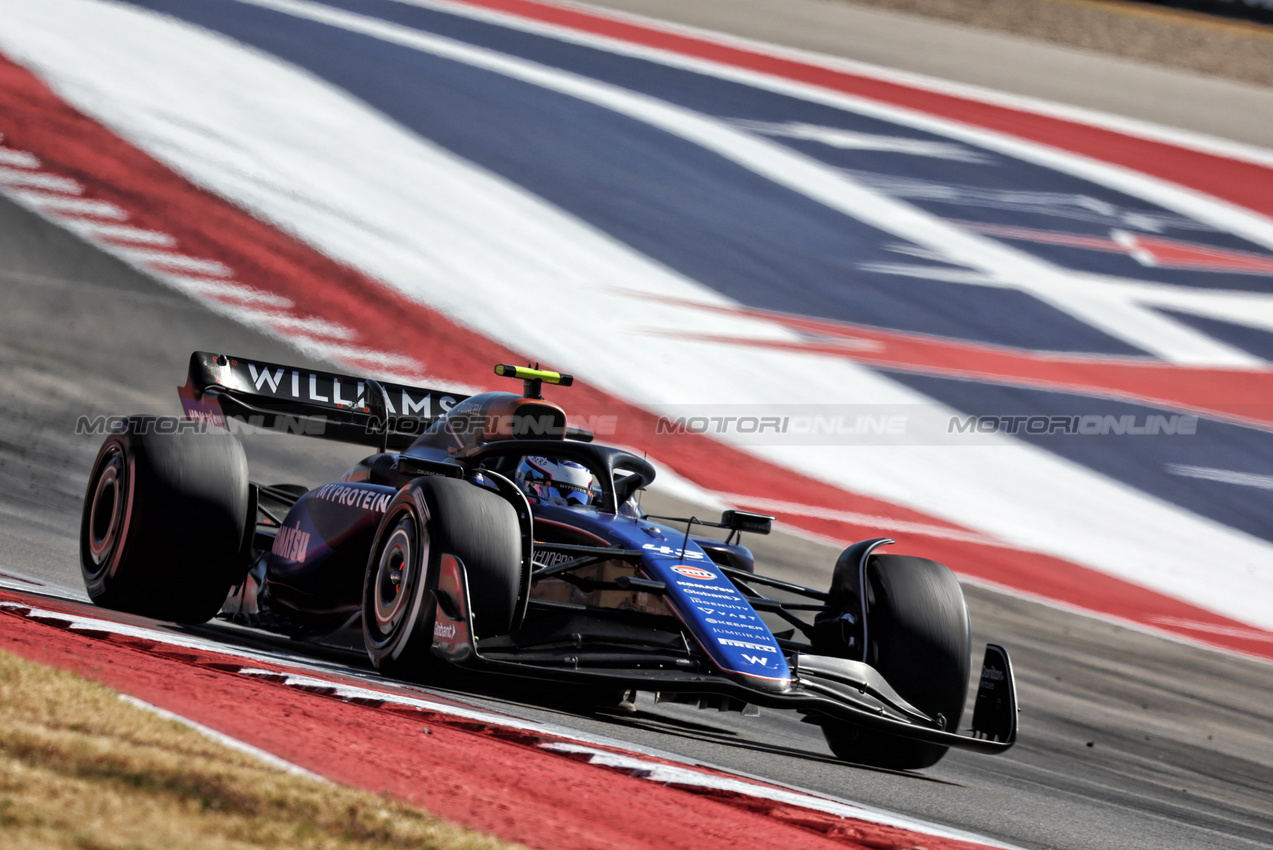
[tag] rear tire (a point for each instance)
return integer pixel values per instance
(918, 637)
(164, 520)
(426, 518)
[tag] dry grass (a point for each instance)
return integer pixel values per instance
(1237, 50)
(80, 768)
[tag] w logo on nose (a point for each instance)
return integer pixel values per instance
(764, 662)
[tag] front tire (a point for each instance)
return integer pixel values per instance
(164, 520)
(918, 637)
(426, 518)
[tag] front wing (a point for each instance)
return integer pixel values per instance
(836, 687)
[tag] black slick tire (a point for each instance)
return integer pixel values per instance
(918, 637)
(429, 517)
(164, 520)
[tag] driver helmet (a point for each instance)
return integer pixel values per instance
(556, 482)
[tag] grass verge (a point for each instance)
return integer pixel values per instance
(80, 768)
(1192, 41)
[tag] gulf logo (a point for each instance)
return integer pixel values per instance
(693, 572)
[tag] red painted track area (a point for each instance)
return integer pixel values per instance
(496, 778)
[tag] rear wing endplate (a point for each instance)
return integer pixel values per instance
(241, 392)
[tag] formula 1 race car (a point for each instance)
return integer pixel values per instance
(487, 534)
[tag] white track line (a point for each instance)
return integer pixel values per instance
(225, 740)
(53, 204)
(222, 290)
(18, 159)
(1224, 476)
(310, 326)
(178, 262)
(666, 774)
(118, 232)
(39, 180)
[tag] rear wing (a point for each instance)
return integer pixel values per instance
(236, 391)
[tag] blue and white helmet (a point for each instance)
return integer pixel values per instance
(556, 482)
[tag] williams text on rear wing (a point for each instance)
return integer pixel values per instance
(227, 391)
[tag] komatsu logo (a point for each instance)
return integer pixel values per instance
(291, 544)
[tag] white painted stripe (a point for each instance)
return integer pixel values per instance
(70, 206)
(18, 159)
(1213, 629)
(1242, 307)
(76, 621)
(44, 181)
(667, 774)
(225, 740)
(384, 359)
(942, 273)
(850, 140)
(499, 260)
(1224, 476)
(222, 290)
(119, 232)
(166, 260)
(345, 691)
(310, 326)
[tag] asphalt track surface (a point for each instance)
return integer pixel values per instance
(1179, 751)
(1127, 741)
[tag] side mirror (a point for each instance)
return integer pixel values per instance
(745, 521)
